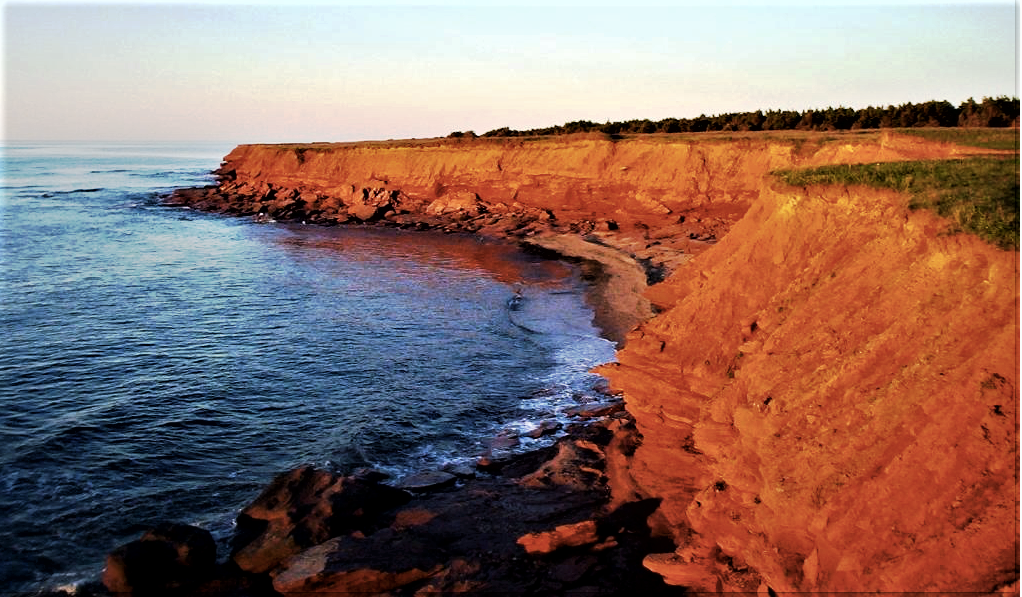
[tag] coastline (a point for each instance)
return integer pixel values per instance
(725, 385)
(617, 282)
(556, 503)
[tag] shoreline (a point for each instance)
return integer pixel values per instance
(817, 329)
(616, 282)
(555, 503)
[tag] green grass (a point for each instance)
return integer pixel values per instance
(989, 138)
(979, 195)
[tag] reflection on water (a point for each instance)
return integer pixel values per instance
(504, 261)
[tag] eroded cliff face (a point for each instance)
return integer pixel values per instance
(830, 402)
(652, 182)
(828, 398)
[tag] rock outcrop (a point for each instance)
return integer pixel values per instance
(169, 557)
(826, 398)
(306, 507)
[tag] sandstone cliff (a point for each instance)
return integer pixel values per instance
(828, 396)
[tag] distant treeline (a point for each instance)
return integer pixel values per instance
(990, 112)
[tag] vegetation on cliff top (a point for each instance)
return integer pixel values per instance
(1006, 139)
(979, 195)
(989, 112)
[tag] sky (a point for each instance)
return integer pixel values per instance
(328, 71)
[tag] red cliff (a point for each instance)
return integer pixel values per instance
(828, 395)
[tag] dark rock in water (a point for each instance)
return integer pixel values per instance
(544, 428)
(140, 566)
(523, 464)
(370, 475)
(505, 440)
(590, 411)
(305, 507)
(462, 471)
(195, 547)
(489, 464)
(170, 556)
(428, 481)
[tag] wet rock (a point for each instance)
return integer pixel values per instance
(428, 481)
(376, 564)
(595, 410)
(370, 475)
(140, 566)
(576, 463)
(573, 568)
(544, 428)
(170, 556)
(462, 471)
(523, 464)
(456, 577)
(489, 464)
(194, 546)
(305, 507)
(505, 440)
(412, 517)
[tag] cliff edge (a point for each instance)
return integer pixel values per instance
(825, 382)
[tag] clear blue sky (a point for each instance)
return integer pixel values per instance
(269, 72)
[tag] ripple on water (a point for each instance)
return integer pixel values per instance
(154, 367)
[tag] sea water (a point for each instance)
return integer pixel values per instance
(162, 364)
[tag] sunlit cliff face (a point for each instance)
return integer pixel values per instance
(828, 399)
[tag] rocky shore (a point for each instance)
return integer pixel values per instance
(551, 521)
(618, 263)
(540, 523)
(824, 399)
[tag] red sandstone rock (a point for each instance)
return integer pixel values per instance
(833, 421)
(305, 507)
(568, 535)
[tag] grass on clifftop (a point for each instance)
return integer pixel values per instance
(988, 138)
(980, 195)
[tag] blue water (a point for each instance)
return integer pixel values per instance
(162, 364)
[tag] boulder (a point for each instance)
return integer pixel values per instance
(461, 202)
(305, 507)
(369, 203)
(169, 556)
(194, 546)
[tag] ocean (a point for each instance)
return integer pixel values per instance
(163, 364)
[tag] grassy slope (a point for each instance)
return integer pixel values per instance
(980, 194)
(987, 138)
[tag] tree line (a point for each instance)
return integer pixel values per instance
(989, 112)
